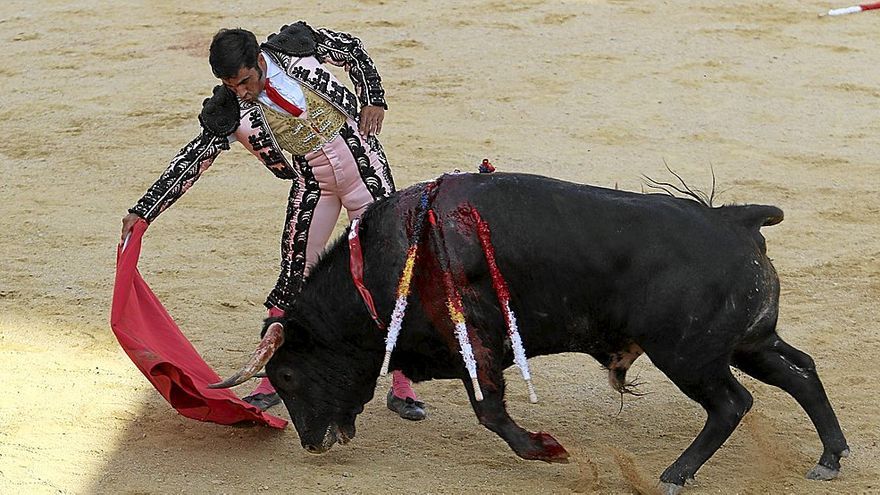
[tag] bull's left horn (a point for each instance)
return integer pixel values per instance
(271, 342)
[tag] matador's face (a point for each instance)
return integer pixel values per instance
(249, 82)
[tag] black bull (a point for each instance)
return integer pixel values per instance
(604, 272)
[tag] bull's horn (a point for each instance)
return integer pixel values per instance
(271, 342)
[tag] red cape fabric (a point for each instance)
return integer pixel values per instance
(152, 340)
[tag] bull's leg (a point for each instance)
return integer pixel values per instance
(776, 363)
(490, 410)
(725, 400)
(493, 415)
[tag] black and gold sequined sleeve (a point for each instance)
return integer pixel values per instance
(347, 51)
(185, 169)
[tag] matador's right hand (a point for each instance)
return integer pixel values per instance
(128, 222)
(220, 113)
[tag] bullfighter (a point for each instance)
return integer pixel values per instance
(278, 96)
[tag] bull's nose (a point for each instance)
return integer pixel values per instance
(327, 442)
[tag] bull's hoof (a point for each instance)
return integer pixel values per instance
(545, 448)
(844, 453)
(822, 473)
(670, 488)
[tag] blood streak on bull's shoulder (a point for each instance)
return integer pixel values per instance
(454, 306)
(503, 293)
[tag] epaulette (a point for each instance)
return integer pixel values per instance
(297, 39)
(220, 113)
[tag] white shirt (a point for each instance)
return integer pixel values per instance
(286, 86)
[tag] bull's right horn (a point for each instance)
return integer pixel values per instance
(271, 342)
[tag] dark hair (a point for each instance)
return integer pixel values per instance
(232, 49)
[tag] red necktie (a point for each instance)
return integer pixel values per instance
(279, 100)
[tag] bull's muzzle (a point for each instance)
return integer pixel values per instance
(332, 435)
(271, 342)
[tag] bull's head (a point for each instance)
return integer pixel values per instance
(323, 385)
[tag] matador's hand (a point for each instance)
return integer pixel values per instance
(128, 222)
(371, 120)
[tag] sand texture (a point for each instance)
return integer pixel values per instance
(97, 97)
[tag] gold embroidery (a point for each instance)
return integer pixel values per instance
(300, 136)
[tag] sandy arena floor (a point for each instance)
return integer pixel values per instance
(98, 96)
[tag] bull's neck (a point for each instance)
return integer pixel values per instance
(332, 308)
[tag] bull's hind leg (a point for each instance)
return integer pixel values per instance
(493, 415)
(725, 400)
(776, 363)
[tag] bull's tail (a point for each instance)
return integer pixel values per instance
(754, 217)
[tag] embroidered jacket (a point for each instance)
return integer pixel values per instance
(253, 133)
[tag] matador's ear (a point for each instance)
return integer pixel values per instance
(297, 39)
(220, 113)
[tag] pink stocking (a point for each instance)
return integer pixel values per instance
(401, 386)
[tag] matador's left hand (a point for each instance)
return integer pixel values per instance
(371, 120)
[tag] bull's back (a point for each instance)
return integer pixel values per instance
(577, 255)
(551, 215)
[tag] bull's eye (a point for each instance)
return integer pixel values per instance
(286, 376)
